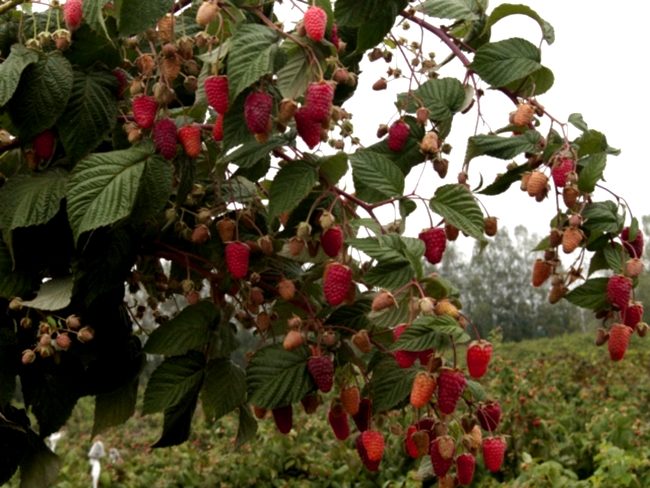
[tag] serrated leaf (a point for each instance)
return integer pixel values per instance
(352, 316)
(507, 9)
(430, 332)
(450, 9)
(42, 94)
(277, 377)
(375, 176)
(476, 390)
(390, 385)
(372, 31)
(178, 420)
(247, 428)
(13, 283)
(115, 407)
(615, 256)
(591, 172)
(103, 187)
(172, 382)
(294, 76)
(12, 68)
(90, 114)
(502, 62)
(456, 204)
(443, 97)
(389, 275)
(592, 142)
(592, 294)
(190, 329)
(93, 15)
(53, 295)
(578, 122)
(253, 47)
(292, 183)
(602, 217)
(502, 147)
(156, 185)
(249, 154)
(137, 16)
(355, 13)
(597, 262)
(40, 466)
(503, 182)
(224, 388)
(536, 83)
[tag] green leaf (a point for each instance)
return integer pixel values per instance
(443, 97)
(352, 316)
(593, 142)
(592, 294)
(456, 204)
(430, 332)
(277, 377)
(503, 181)
(333, 168)
(93, 15)
(250, 153)
(292, 183)
(615, 256)
(190, 329)
(502, 147)
(156, 185)
(375, 176)
(103, 187)
(294, 76)
(11, 68)
(247, 429)
(602, 217)
(389, 275)
(172, 382)
(115, 407)
(502, 62)
(507, 9)
(42, 94)
(224, 388)
(450, 9)
(252, 54)
(54, 294)
(597, 262)
(178, 420)
(13, 283)
(476, 390)
(91, 113)
(137, 16)
(372, 32)
(8, 367)
(536, 83)
(356, 13)
(592, 168)
(40, 467)
(578, 122)
(390, 385)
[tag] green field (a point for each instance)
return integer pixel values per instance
(574, 419)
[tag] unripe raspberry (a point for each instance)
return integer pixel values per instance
(351, 399)
(633, 267)
(445, 307)
(292, 340)
(86, 334)
(28, 357)
(541, 272)
(207, 13)
(523, 115)
(383, 300)
(362, 341)
(286, 289)
(226, 229)
(430, 144)
(63, 341)
(200, 234)
(422, 389)
(537, 185)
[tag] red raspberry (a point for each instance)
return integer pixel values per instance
(425, 356)
(451, 384)
(561, 170)
(308, 128)
(373, 443)
(334, 36)
(494, 449)
(73, 14)
(409, 445)
(337, 281)
(619, 339)
(237, 256)
(190, 137)
(318, 99)
(465, 465)
(43, 145)
(619, 288)
(398, 134)
(257, 111)
(144, 110)
(216, 91)
(338, 419)
(405, 359)
(442, 454)
(479, 354)
(362, 417)
(489, 415)
(217, 128)
(634, 248)
(164, 137)
(283, 417)
(424, 384)
(315, 22)
(321, 370)
(122, 81)
(310, 403)
(363, 454)
(332, 241)
(633, 314)
(435, 242)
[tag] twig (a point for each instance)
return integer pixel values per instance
(9, 5)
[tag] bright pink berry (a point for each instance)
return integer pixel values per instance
(257, 111)
(398, 134)
(144, 110)
(435, 242)
(315, 21)
(164, 137)
(216, 91)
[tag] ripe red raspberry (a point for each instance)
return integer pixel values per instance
(633, 314)
(321, 370)
(398, 134)
(332, 241)
(424, 384)
(465, 465)
(334, 36)
(405, 359)
(560, 171)
(43, 145)
(435, 242)
(338, 420)
(337, 281)
(634, 248)
(315, 21)
(310, 403)
(494, 449)
(362, 417)
(451, 384)
(363, 454)
(489, 415)
(73, 14)
(373, 443)
(479, 354)
(257, 111)
(216, 91)
(164, 137)
(318, 100)
(425, 356)
(283, 417)
(190, 137)
(409, 445)
(442, 454)
(308, 128)
(217, 128)
(619, 288)
(237, 256)
(619, 339)
(144, 110)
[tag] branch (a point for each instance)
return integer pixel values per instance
(9, 5)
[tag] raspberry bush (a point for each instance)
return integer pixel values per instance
(182, 179)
